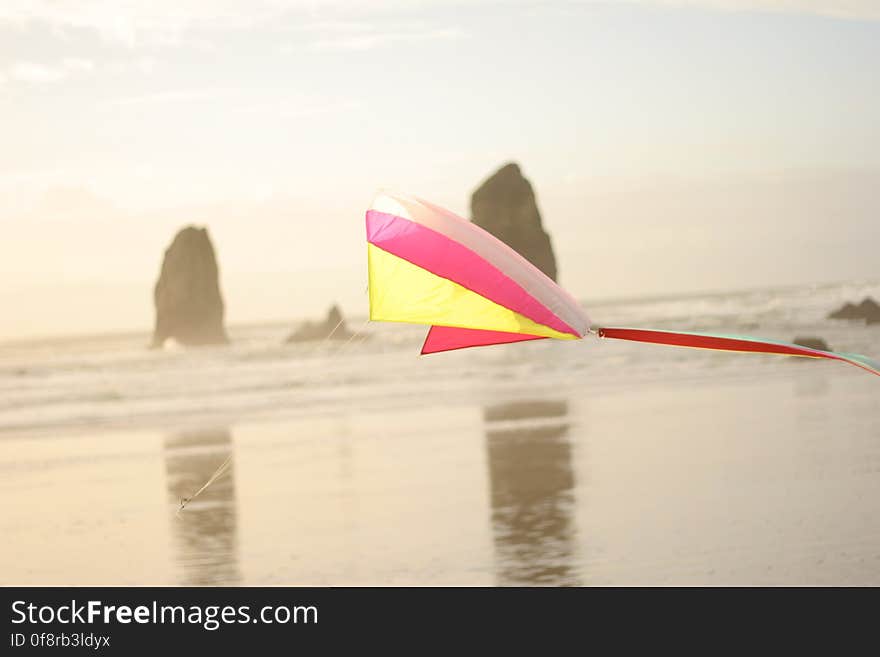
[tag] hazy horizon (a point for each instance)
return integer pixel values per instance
(674, 147)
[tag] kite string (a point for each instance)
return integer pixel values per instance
(340, 323)
(224, 467)
(356, 333)
(326, 339)
(360, 329)
(330, 334)
(221, 470)
(352, 337)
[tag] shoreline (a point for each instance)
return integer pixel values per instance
(740, 482)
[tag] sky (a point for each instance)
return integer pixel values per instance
(674, 146)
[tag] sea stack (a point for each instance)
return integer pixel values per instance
(812, 342)
(189, 307)
(332, 328)
(868, 310)
(505, 206)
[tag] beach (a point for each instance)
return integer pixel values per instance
(545, 463)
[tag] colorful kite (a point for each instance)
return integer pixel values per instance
(429, 266)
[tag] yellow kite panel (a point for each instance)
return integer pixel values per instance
(403, 292)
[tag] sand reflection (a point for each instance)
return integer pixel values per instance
(205, 534)
(531, 484)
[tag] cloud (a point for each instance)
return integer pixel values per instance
(33, 73)
(185, 22)
(852, 9)
(147, 21)
(370, 39)
(76, 64)
(297, 108)
(37, 73)
(241, 103)
(144, 65)
(128, 22)
(350, 35)
(172, 96)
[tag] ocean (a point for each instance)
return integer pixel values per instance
(361, 462)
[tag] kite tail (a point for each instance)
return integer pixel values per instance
(722, 342)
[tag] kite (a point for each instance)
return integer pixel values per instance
(428, 266)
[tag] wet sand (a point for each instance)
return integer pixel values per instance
(689, 482)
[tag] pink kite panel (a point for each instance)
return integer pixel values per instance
(448, 259)
(491, 249)
(448, 338)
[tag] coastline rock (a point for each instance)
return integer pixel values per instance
(323, 330)
(812, 342)
(189, 307)
(846, 311)
(868, 310)
(505, 206)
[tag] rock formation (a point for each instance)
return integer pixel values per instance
(811, 342)
(868, 310)
(189, 307)
(505, 206)
(333, 328)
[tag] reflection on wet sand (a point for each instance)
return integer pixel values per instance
(531, 483)
(205, 533)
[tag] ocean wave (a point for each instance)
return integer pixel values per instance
(114, 380)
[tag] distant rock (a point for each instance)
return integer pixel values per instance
(189, 307)
(333, 328)
(811, 342)
(505, 206)
(850, 310)
(846, 311)
(868, 310)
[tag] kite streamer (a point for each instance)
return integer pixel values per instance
(428, 266)
(743, 343)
